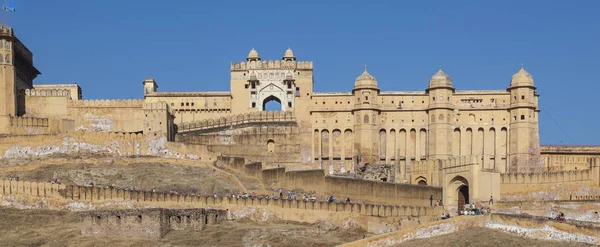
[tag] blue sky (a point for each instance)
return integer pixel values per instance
(109, 47)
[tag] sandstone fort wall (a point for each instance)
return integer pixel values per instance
(153, 223)
(80, 142)
(90, 115)
(341, 187)
(271, 137)
(372, 217)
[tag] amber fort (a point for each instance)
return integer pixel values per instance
(392, 150)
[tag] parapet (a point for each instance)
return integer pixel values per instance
(28, 122)
(128, 103)
(48, 92)
(244, 118)
(546, 177)
(272, 64)
(6, 31)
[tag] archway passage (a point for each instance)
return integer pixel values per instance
(422, 182)
(463, 197)
(272, 103)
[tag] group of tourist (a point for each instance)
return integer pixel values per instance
(473, 210)
(13, 178)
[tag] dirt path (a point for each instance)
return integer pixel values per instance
(240, 184)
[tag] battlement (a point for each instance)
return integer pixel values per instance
(546, 177)
(245, 118)
(128, 103)
(272, 64)
(6, 31)
(28, 122)
(48, 92)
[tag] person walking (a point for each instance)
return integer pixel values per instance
(491, 200)
(431, 201)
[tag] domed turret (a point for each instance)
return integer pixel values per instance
(521, 79)
(289, 55)
(253, 55)
(365, 80)
(440, 80)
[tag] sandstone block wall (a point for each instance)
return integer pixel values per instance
(153, 223)
(271, 137)
(341, 187)
(81, 142)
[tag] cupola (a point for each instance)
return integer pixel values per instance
(521, 79)
(253, 55)
(289, 55)
(440, 80)
(365, 81)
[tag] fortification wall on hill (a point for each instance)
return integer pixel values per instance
(553, 185)
(153, 223)
(90, 115)
(341, 187)
(80, 142)
(373, 217)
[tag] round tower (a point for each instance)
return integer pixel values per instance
(440, 112)
(524, 146)
(366, 111)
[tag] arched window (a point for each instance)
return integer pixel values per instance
(366, 120)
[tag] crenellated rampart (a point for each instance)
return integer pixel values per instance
(34, 125)
(125, 103)
(239, 119)
(48, 92)
(341, 187)
(371, 216)
(546, 177)
(552, 185)
(28, 122)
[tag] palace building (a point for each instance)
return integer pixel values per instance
(441, 136)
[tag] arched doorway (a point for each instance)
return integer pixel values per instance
(463, 196)
(458, 192)
(272, 103)
(422, 182)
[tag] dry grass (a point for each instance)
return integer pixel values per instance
(56, 228)
(482, 237)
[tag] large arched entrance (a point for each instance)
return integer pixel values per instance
(458, 190)
(272, 103)
(463, 196)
